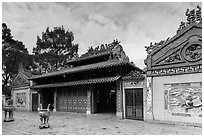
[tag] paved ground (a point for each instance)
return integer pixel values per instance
(26, 123)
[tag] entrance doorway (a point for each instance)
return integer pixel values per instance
(134, 103)
(104, 98)
(34, 102)
(47, 98)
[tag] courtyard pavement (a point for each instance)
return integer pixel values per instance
(64, 123)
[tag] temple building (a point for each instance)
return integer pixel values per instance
(24, 98)
(102, 80)
(174, 74)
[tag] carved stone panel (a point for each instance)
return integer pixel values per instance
(192, 52)
(183, 99)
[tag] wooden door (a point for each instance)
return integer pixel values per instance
(34, 102)
(69, 100)
(134, 103)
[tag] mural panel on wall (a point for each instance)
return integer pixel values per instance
(20, 99)
(183, 99)
(149, 95)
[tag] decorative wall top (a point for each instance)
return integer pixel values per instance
(156, 45)
(193, 16)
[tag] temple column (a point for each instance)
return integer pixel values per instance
(119, 100)
(39, 98)
(88, 111)
(55, 100)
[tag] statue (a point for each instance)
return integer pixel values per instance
(8, 107)
(181, 26)
(190, 16)
(198, 14)
(44, 117)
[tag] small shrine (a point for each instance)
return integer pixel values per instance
(23, 97)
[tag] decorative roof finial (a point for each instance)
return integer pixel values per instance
(198, 14)
(20, 67)
(190, 16)
(193, 16)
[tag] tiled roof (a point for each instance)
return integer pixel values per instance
(89, 57)
(80, 82)
(100, 65)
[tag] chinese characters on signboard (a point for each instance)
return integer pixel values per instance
(149, 96)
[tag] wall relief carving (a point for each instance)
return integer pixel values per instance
(183, 99)
(192, 52)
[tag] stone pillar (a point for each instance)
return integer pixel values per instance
(119, 100)
(29, 100)
(55, 100)
(39, 98)
(88, 111)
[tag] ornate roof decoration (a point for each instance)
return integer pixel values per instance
(193, 16)
(113, 50)
(100, 49)
(135, 74)
(22, 77)
(175, 57)
(155, 46)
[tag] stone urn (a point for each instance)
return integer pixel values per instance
(8, 108)
(44, 117)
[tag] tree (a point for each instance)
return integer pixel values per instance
(13, 53)
(55, 48)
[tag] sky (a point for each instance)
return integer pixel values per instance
(135, 24)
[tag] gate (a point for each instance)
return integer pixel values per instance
(134, 103)
(34, 102)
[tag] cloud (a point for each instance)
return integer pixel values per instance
(135, 24)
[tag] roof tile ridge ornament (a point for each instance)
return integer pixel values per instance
(193, 16)
(156, 45)
(100, 49)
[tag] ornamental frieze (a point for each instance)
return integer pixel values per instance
(177, 71)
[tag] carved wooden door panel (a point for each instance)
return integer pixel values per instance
(79, 100)
(138, 93)
(69, 101)
(64, 100)
(134, 104)
(129, 103)
(84, 100)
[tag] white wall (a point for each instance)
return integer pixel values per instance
(28, 100)
(158, 96)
